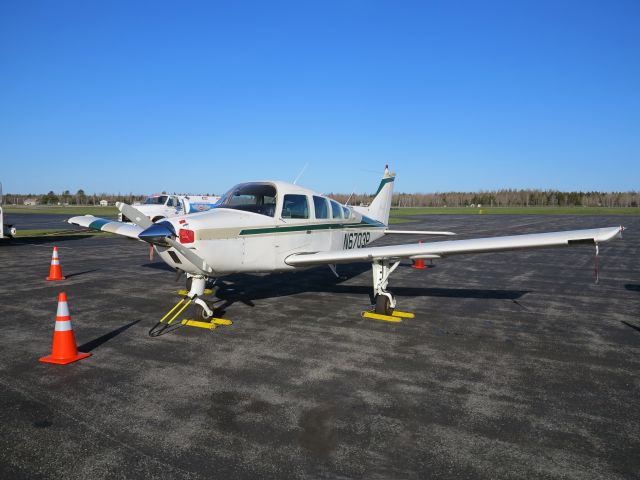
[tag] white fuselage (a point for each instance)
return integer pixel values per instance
(157, 207)
(232, 240)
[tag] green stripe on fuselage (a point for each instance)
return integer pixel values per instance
(371, 221)
(99, 223)
(365, 223)
(383, 182)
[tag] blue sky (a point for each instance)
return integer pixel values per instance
(197, 96)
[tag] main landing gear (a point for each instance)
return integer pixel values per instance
(196, 288)
(384, 301)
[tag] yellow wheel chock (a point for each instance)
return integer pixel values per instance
(196, 323)
(215, 322)
(184, 293)
(396, 313)
(175, 312)
(395, 317)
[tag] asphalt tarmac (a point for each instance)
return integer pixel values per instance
(37, 221)
(516, 366)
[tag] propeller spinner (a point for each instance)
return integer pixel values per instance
(158, 233)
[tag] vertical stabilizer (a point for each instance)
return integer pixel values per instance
(381, 203)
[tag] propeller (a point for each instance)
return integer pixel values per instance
(157, 233)
(190, 255)
(161, 234)
(135, 215)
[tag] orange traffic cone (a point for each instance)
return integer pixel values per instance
(55, 272)
(64, 348)
(419, 262)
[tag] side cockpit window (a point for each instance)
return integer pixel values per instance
(251, 197)
(157, 200)
(347, 212)
(336, 210)
(295, 206)
(321, 206)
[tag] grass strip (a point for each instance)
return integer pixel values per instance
(597, 211)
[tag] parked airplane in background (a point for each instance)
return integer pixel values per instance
(7, 231)
(273, 226)
(158, 207)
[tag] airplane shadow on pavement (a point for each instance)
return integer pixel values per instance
(20, 241)
(247, 289)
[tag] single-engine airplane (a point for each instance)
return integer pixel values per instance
(273, 226)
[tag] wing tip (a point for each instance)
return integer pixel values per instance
(70, 220)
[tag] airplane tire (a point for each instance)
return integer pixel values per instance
(157, 219)
(383, 306)
(201, 314)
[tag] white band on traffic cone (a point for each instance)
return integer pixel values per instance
(63, 309)
(63, 325)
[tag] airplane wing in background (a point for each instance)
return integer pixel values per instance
(456, 247)
(111, 226)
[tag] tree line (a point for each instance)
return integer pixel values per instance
(494, 198)
(68, 198)
(504, 198)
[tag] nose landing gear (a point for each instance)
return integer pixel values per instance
(204, 314)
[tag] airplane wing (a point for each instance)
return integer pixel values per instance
(419, 232)
(454, 247)
(111, 226)
(156, 234)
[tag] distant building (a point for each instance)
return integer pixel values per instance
(103, 203)
(30, 202)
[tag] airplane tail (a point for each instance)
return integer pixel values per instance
(381, 203)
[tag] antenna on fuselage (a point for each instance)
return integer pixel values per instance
(352, 194)
(301, 172)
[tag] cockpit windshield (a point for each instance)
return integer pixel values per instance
(159, 200)
(251, 197)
